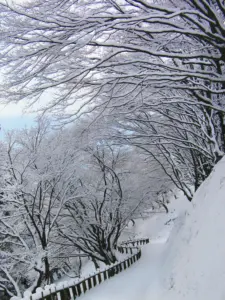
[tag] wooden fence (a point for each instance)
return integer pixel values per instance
(70, 290)
(138, 242)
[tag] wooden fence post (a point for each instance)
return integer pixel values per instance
(124, 264)
(121, 267)
(71, 294)
(109, 273)
(64, 294)
(94, 280)
(84, 286)
(52, 296)
(89, 283)
(105, 275)
(112, 273)
(99, 278)
(118, 268)
(79, 289)
(74, 290)
(128, 263)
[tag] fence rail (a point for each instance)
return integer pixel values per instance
(70, 290)
(138, 242)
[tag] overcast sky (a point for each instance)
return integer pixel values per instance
(16, 116)
(13, 115)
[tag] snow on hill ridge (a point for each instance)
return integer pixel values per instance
(194, 267)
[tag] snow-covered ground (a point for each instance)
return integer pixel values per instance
(133, 283)
(186, 256)
(195, 263)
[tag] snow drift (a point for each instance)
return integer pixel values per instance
(194, 267)
(185, 259)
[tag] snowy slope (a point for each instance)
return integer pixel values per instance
(130, 284)
(186, 257)
(194, 267)
(133, 283)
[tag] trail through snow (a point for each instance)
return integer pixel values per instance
(132, 283)
(185, 258)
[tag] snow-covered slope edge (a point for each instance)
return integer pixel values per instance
(194, 265)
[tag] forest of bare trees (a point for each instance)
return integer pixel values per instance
(135, 92)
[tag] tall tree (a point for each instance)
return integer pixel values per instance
(118, 54)
(95, 219)
(39, 173)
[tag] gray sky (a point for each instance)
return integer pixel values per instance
(14, 115)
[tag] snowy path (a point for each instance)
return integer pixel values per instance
(185, 258)
(132, 283)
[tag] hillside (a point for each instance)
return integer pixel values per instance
(195, 263)
(185, 259)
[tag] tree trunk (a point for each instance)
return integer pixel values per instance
(95, 263)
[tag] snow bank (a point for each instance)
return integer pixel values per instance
(133, 283)
(194, 258)
(185, 259)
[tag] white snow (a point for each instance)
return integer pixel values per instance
(186, 255)
(129, 284)
(133, 283)
(195, 263)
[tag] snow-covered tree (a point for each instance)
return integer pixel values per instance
(95, 219)
(118, 56)
(109, 54)
(63, 198)
(177, 137)
(39, 175)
